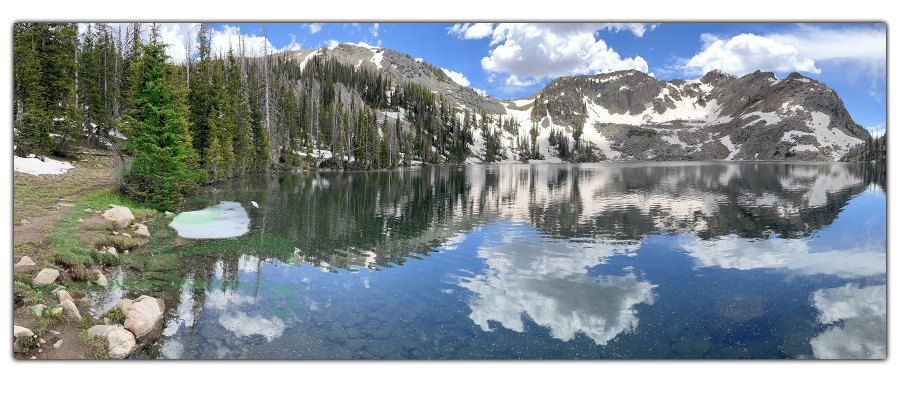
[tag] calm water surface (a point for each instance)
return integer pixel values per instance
(640, 260)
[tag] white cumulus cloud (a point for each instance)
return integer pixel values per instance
(457, 77)
(314, 28)
(862, 48)
(374, 30)
(746, 53)
(877, 131)
(537, 51)
(471, 31)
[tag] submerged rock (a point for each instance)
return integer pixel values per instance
(145, 318)
(739, 307)
(120, 342)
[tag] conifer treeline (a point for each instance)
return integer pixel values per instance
(242, 112)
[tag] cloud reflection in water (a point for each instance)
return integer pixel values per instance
(549, 281)
(859, 315)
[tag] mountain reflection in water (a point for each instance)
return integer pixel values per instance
(543, 261)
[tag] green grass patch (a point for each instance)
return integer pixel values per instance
(72, 253)
(121, 243)
(96, 346)
(116, 315)
(108, 226)
(22, 277)
(39, 252)
(37, 195)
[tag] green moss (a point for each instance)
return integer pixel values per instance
(116, 315)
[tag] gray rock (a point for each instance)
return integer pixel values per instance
(123, 305)
(142, 230)
(63, 295)
(46, 276)
(57, 344)
(145, 318)
(39, 309)
(70, 309)
(53, 331)
(20, 334)
(120, 342)
(25, 261)
(121, 215)
(25, 222)
(20, 331)
(101, 280)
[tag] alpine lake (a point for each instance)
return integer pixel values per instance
(656, 260)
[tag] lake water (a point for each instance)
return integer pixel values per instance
(619, 260)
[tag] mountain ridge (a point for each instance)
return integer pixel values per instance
(632, 116)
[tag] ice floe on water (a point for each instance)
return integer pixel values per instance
(224, 220)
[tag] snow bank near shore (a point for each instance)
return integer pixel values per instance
(34, 166)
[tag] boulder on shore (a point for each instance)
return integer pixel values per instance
(20, 333)
(142, 230)
(24, 262)
(145, 318)
(63, 295)
(123, 305)
(120, 342)
(70, 309)
(121, 215)
(46, 276)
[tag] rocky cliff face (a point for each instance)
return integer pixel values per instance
(719, 116)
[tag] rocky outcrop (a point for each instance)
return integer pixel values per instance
(46, 276)
(120, 342)
(717, 117)
(144, 318)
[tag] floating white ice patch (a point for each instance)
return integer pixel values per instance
(224, 220)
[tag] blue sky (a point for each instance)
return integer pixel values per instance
(511, 60)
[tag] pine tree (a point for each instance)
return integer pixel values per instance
(160, 173)
(45, 113)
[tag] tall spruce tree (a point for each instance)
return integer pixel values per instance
(160, 174)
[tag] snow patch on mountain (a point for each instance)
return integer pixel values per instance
(377, 57)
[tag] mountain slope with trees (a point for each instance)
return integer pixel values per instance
(361, 107)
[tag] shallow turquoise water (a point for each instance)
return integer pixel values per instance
(646, 260)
